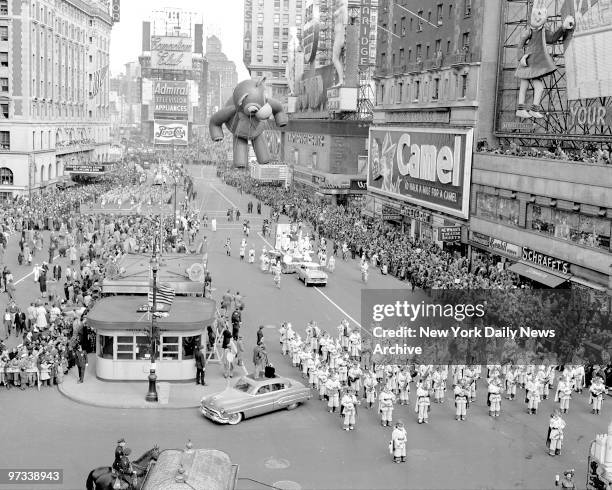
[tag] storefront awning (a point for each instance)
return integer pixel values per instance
(588, 284)
(538, 275)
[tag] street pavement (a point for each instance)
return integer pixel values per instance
(307, 445)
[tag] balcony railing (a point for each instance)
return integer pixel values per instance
(460, 58)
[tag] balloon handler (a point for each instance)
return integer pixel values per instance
(245, 116)
(534, 60)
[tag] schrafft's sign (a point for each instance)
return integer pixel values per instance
(428, 167)
(171, 52)
(546, 261)
(365, 13)
(171, 97)
(170, 132)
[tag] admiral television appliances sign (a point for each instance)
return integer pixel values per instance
(428, 167)
(171, 97)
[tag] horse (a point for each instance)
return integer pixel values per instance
(104, 477)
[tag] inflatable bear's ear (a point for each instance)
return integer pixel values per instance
(241, 99)
(260, 81)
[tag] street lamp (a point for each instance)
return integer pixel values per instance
(152, 394)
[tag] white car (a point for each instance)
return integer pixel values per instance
(311, 273)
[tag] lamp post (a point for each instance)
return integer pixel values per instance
(152, 393)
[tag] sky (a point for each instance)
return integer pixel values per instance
(225, 22)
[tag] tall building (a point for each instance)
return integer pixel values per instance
(435, 94)
(173, 83)
(54, 90)
(266, 40)
(222, 75)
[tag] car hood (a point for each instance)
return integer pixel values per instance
(317, 274)
(225, 399)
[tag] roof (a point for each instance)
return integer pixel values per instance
(136, 276)
(206, 469)
(120, 313)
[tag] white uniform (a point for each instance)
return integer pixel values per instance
(369, 385)
(556, 427)
(349, 410)
(385, 402)
(563, 395)
(398, 441)
(494, 399)
(461, 402)
(332, 388)
(422, 405)
(597, 391)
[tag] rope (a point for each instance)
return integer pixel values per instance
(259, 482)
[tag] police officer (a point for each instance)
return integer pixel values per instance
(119, 450)
(126, 472)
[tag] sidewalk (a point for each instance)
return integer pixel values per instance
(131, 394)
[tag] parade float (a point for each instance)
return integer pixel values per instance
(599, 466)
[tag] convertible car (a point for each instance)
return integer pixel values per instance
(311, 273)
(249, 397)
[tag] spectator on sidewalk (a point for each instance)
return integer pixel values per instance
(81, 362)
(200, 361)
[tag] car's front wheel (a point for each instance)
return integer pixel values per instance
(234, 418)
(293, 406)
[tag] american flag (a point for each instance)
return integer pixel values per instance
(98, 81)
(165, 296)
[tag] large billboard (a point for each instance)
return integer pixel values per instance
(430, 167)
(171, 52)
(588, 59)
(169, 132)
(171, 98)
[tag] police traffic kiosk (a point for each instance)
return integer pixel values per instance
(122, 321)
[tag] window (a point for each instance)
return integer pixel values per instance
(438, 46)
(5, 140)
(436, 89)
(419, 52)
(395, 28)
(4, 87)
(285, 44)
(420, 22)
(105, 342)
(417, 90)
(276, 18)
(427, 52)
(260, 44)
(3, 7)
(260, 30)
(275, 59)
(276, 31)
(277, 4)
(468, 8)
(260, 58)
(465, 40)
(260, 73)
(296, 156)
(409, 55)
(393, 59)
(429, 16)
(285, 31)
(298, 19)
(440, 14)
(4, 110)
(169, 348)
(190, 345)
(448, 46)
(398, 93)
(125, 345)
(4, 59)
(403, 25)
(450, 10)
(464, 85)
(143, 347)
(497, 208)
(275, 45)
(3, 33)
(411, 24)
(402, 59)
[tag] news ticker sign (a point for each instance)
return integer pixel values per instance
(171, 97)
(116, 11)
(430, 167)
(171, 52)
(83, 168)
(169, 132)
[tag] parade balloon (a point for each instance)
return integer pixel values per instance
(245, 116)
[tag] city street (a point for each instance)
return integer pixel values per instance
(306, 446)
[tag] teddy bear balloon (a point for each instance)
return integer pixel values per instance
(534, 60)
(245, 115)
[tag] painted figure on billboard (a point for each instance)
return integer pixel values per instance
(245, 115)
(295, 61)
(341, 18)
(535, 62)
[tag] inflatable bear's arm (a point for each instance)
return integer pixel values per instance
(280, 117)
(222, 116)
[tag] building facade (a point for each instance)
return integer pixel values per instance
(54, 90)
(222, 75)
(174, 80)
(266, 41)
(435, 92)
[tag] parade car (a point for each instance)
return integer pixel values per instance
(312, 273)
(250, 397)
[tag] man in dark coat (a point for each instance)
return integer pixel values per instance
(200, 361)
(81, 362)
(119, 454)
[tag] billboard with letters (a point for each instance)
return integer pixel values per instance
(430, 167)
(171, 52)
(169, 132)
(171, 98)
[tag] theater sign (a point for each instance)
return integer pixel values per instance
(430, 167)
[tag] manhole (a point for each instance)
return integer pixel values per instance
(276, 463)
(287, 485)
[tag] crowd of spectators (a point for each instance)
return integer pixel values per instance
(590, 154)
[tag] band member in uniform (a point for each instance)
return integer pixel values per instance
(461, 400)
(322, 377)
(403, 385)
(349, 409)
(355, 345)
(563, 394)
(597, 391)
(533, 394)
(494, 398)
(439, 385)
(332, 389)
(385, 404)
(511, 382)
(398, 443)
(422, 404)
(276, 269)
(472, 376)
(554, 440)
(369, 387)
(354, 377)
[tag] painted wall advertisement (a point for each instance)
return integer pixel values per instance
(168, 132)
(424, 166)
(171, 52)
(171, 98)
